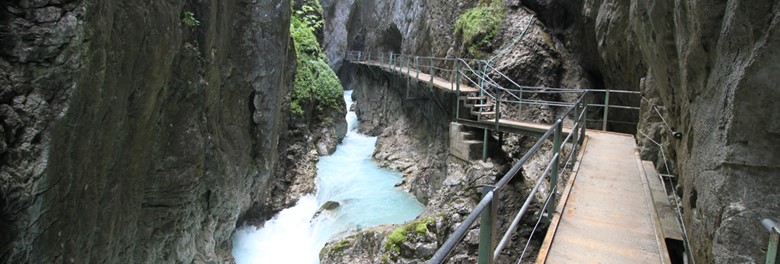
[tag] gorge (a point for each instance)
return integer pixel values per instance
(153, 132)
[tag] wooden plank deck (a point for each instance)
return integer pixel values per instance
(607, 216)
(438, 82)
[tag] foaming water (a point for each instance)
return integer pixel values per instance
(367, 198)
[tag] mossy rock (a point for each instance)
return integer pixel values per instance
(393, 241)
(479, 25)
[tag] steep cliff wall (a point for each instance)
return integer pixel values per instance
(134, 132)
(400, 26)
(710, 68)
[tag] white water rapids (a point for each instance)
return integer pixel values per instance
(366, 193)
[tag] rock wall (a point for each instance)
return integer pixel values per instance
(410, 27)
(300, 147)
(411, 120)
(129, 136)
(708, 66)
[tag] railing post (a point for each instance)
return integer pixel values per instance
(457, 88)
(408, 65)
(358, 55)
(417, 67)
(487, 228)
(520, 105)
(774, 239)
(431, 70)
(575, 136)
(497, 109)
(369, 57)
(554, 169)
(482, 92)
(606, 110)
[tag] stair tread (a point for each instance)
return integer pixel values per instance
(484, 113)
(484, 105)
(473, 97)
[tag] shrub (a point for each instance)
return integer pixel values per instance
(315, 82)
(479, 25)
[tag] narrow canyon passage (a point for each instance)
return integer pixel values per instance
(365, 193)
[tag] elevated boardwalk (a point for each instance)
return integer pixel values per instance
(614, 208)
(605, 214)
(504, 125)
(423, 77)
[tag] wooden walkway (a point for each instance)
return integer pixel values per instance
(424, 77)
(605, 214)
(613, 209)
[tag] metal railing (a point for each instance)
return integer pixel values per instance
(465, 74)
(489, 251)
(481, 76)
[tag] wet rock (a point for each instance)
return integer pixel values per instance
(329, 205)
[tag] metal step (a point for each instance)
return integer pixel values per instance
(477, 105)
(468, 135)
(483, 113)
(470, 98)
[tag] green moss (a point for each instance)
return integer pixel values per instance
(315, 82)
(479, 25)
(422, 225)
(339, 247)
(399, 235)
(188, 19)
(395, 238)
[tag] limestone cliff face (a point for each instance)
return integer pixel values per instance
(412, 27)
(129, 136)
(710, 66)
